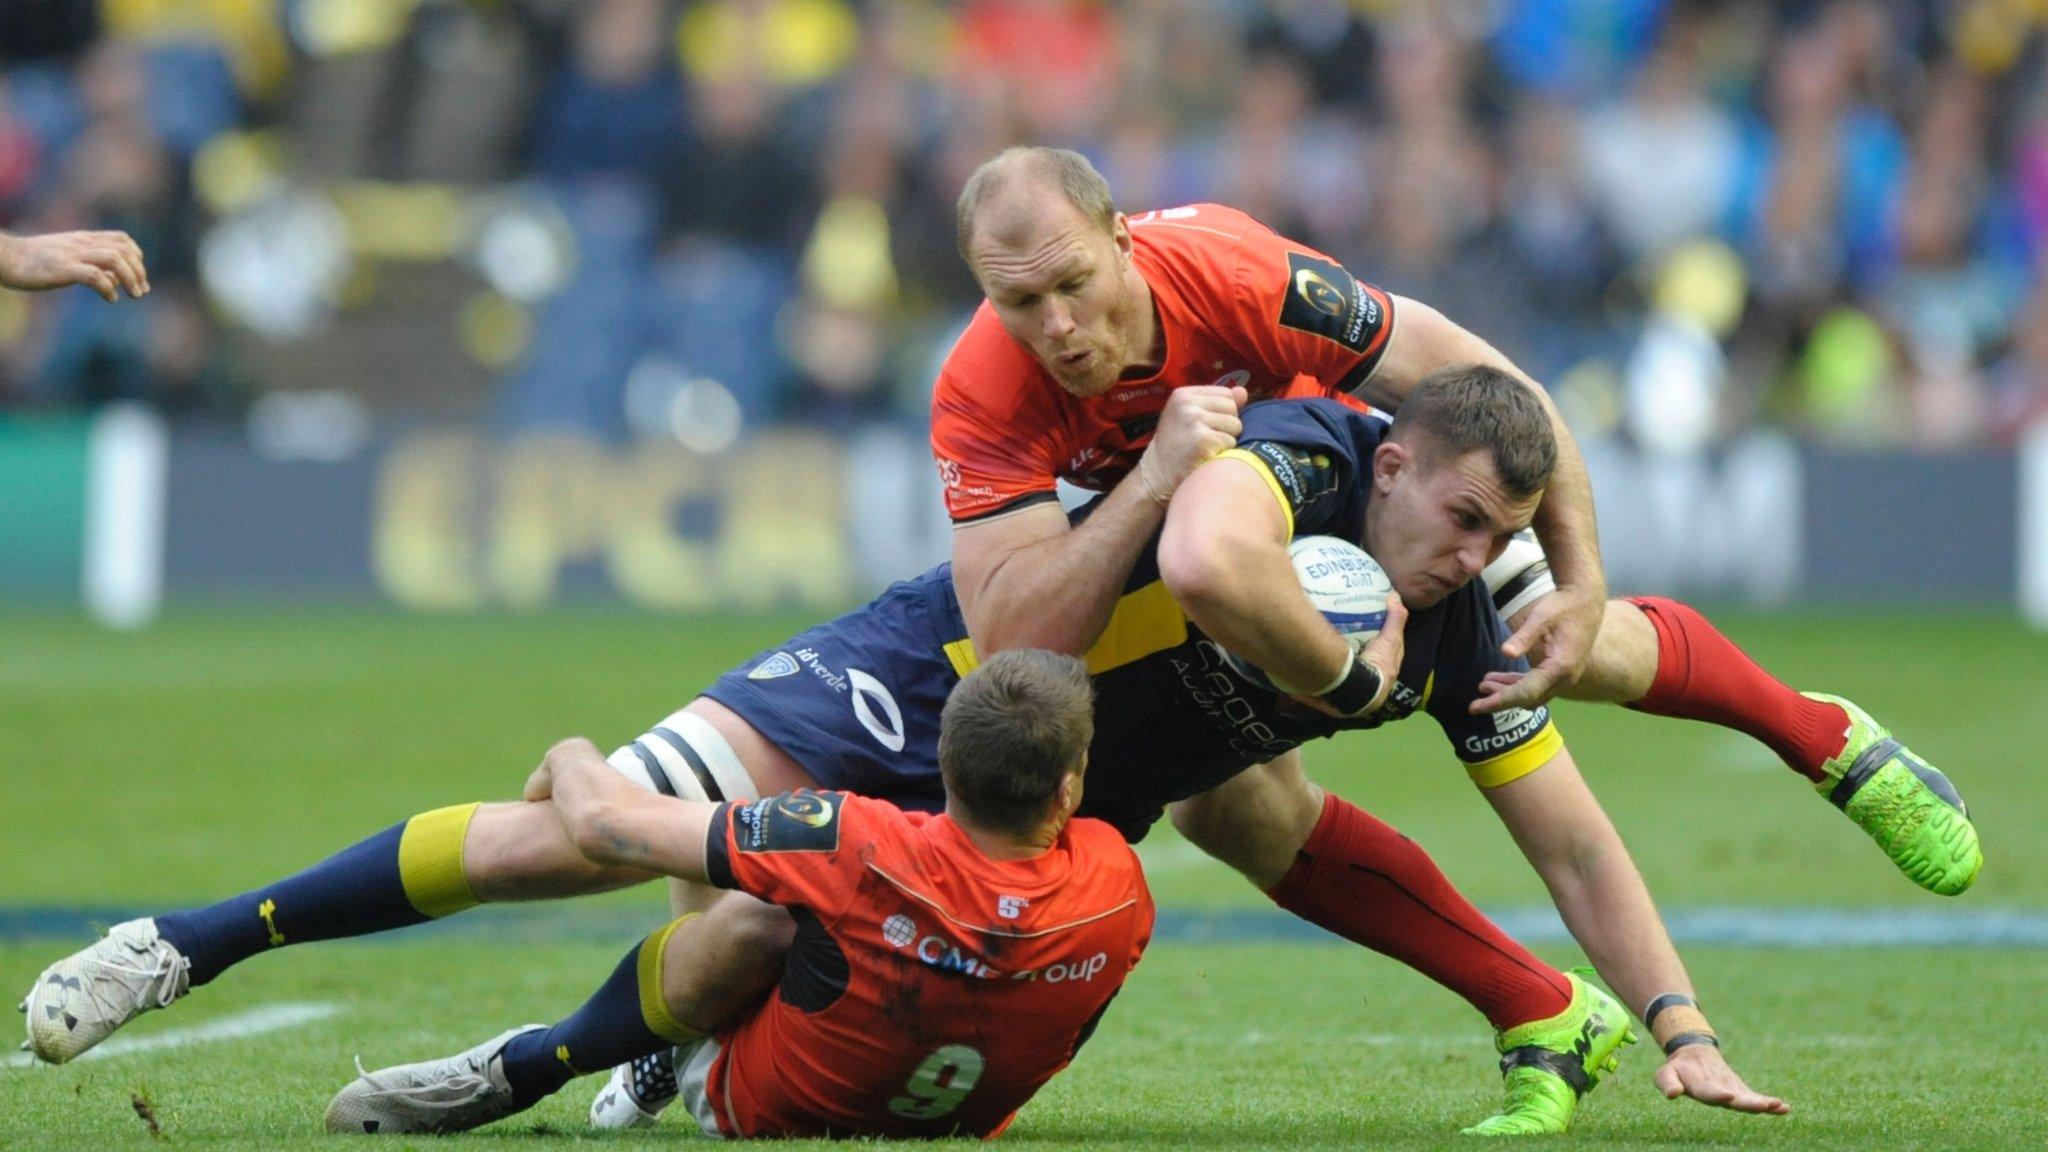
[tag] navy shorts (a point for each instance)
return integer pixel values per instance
(855, 701)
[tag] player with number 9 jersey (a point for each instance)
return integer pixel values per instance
(931, 989)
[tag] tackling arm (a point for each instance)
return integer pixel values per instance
(1027, 580)
(1425, 340)
(612, 822)
(1561, 828)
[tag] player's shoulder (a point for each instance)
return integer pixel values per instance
(1199, 251)
(1102, 851)
(988, 372)
(1313, 417)
(1195, 226)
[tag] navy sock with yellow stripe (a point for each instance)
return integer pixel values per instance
(625, 1020)
(406, 874)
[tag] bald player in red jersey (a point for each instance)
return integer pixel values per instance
(1238, 306)
(943, 968)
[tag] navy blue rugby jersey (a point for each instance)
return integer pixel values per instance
(1172, 719)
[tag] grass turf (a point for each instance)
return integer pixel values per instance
(226, 747)
(1204, 1049)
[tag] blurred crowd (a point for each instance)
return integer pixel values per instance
(650, 217)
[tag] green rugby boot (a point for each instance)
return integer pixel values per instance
(1548, 1065)
(1907, 806)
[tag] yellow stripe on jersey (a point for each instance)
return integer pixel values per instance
(1518, 762)
(1144, 622)
(430, 861)
(1265, 472)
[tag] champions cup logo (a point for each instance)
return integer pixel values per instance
(1320, 293)
(805, 809)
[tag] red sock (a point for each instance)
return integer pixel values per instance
(1366, 882)
(1702, 675)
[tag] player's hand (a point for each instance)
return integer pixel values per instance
(541, 784)
(1198, 422)
(1700, 1071)
(1386, 651)
(1560, 629)
(109, 263)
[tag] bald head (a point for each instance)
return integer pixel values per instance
(1010, 191)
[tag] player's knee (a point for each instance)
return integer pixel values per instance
(1255, 823)
(722, 962)
(1623, 662)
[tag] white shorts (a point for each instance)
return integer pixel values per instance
(693, 1076)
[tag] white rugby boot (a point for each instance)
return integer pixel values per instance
(82, 999)
(452, 1094)
(636, 1092)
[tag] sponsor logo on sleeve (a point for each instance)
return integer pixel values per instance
(1511, 729)
(797, 822)
(1304, 476)
(774, 667)
(1325, 300)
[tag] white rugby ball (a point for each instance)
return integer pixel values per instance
(1344, 583)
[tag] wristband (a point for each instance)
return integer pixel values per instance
(1687, 1039)
(1667, 1000)
(1355, 694)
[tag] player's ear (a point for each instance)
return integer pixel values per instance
(1387, 462)
(1120, 235)
(1068, 795)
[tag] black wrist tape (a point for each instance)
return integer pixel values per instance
(1667, 1000)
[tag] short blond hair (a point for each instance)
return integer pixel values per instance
(1064, 168)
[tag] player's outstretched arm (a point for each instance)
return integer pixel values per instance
(1028, 581)
(1559, 629)
(614, 823)
(109, 263)
(1561, 828)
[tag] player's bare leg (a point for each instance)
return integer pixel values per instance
(1257, 821)
(1333, 865)
(1623, 663)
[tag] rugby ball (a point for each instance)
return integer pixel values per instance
(1347, 586)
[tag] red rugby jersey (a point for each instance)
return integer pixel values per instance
(930, 990)
(1237, 303)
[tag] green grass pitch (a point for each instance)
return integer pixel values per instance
(225, 747)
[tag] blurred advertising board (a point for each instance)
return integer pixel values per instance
(122, 513)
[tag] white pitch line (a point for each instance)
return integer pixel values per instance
(254, 1022)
